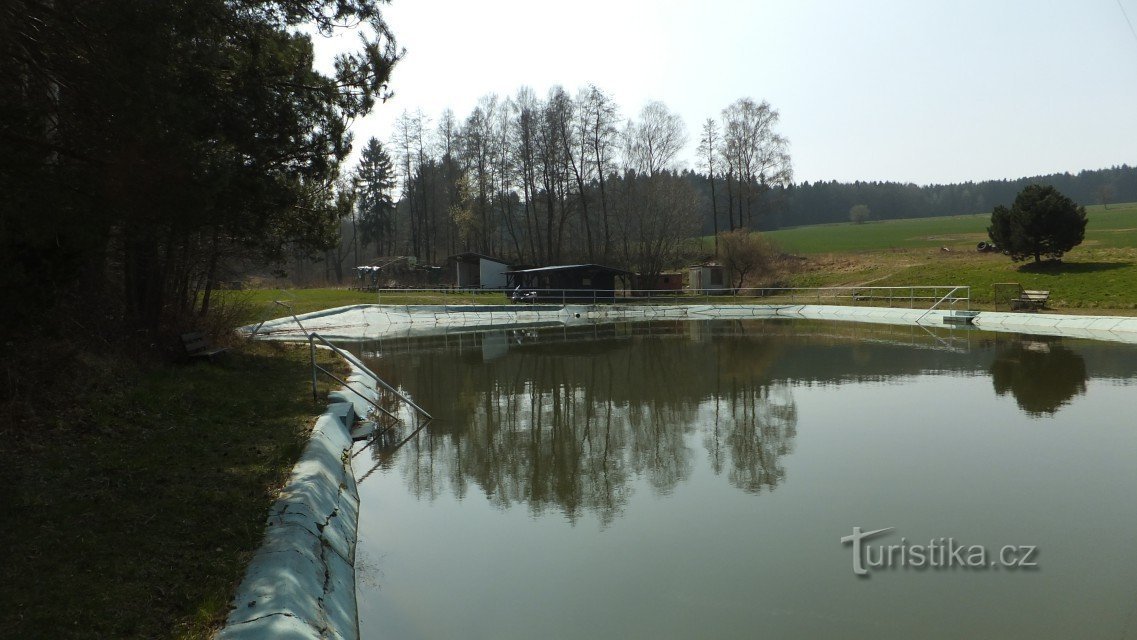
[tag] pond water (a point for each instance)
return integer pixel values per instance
(695, 479)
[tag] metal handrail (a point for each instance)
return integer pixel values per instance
(312, 337)
(912, 294)
(941, 300)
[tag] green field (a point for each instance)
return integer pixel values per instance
(1100, 274)
(1112, 228)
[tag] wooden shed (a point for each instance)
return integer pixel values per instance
(569, 283)
(707, 278)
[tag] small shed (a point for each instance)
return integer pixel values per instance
(479, 271)
(664, 282)
(707, 278)
(568, 282)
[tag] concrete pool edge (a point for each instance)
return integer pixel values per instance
(301, 582)
(362, 321)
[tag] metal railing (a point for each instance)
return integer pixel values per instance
(944, 299)
(914, 297)
(265, 317)
(316, 369)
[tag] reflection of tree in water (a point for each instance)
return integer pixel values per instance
(570, 427)
(754, 422)
(1042, 376)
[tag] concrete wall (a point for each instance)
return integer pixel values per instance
(371, 321)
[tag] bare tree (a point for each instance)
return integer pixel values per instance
(745, 253)
(525, 126)
(757, 157)
(601, 114)
(408, 131)
(708, 156)
(657, 216)
(552, 156)
(652, 143)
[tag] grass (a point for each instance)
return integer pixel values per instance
(1099, 276)
(1115, 227)
(136, 494)
(261, 307)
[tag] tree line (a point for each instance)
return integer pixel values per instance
(562, 178)
(808, 203)
(568, 178)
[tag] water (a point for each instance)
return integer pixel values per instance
(682, 480)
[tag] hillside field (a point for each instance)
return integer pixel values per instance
(1100, 274)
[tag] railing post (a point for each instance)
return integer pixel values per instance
(312, 354)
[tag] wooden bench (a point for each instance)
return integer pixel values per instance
(197, 345)
(1032, 300)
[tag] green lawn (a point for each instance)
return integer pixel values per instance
(259, 302)
(1095, 279)
(1112, 228)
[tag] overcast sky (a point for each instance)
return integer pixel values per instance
(909, 91)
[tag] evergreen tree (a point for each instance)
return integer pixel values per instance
(1041, 223)
(375, 179)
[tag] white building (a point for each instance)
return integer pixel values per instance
(479, 271)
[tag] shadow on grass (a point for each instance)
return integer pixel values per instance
(1056, 267)
(135, 515)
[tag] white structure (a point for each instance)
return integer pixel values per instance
(707, 278)
(479, 271)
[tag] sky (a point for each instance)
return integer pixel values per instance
(906, 91)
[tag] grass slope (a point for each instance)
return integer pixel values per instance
(136, 496)
(1100, 275)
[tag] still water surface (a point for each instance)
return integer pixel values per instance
(693, 480)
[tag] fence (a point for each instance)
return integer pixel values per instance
(912, 297)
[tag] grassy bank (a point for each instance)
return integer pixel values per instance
(138, 493)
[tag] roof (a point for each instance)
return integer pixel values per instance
(470, 255)
(572, 267)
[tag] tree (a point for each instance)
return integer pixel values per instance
(859, 213)
(708, 156)
(375, 180)
(1041, 223)
(757, 157)
(148, 138)
(656, 217)
(652, 143)
(1105, 194)
(744, 253)
(602, 115)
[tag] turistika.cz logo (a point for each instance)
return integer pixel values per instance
(938, 553)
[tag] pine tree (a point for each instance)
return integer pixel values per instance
(1041, 223)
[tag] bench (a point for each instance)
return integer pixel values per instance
(197, 345)
(1032, 300)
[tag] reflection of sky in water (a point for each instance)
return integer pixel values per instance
(692, 480)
